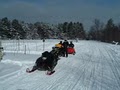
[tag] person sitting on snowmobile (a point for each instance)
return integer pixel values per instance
(71, 49)
(55, 51)
(71, 44)
(59, 46)
(46, 62)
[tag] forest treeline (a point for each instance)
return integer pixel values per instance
(15, 29)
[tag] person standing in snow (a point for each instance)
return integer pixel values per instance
(65, 46)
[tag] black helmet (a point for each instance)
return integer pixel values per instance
(65, 40)
(45, 54)
(60, 41)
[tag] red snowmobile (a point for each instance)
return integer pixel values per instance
(71, 50)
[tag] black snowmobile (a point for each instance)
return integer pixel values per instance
(46, 62)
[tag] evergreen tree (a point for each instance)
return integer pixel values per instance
(65, 27)
(96, 30)
(108, 32)
(70, 30)
(18, 32)
(5, 28)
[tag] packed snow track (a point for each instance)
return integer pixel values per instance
(95, 66)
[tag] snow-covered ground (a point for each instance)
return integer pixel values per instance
(95, 66)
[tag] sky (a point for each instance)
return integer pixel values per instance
(57, 11)
(95, 66)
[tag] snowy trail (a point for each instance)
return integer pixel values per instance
(96, 66)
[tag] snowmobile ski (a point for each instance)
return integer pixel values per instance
(50, 72)
(47, 73)
(28, 70)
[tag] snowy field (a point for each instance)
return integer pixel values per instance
(95, 66)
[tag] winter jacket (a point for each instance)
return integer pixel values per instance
(65, 44)
(71, 45)
(59, 45)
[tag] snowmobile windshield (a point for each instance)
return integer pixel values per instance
(44, 58)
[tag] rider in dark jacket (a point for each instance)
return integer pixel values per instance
(71, 44)
(46, 62)
(65, 46)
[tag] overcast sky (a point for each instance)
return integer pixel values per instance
(55, 11)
